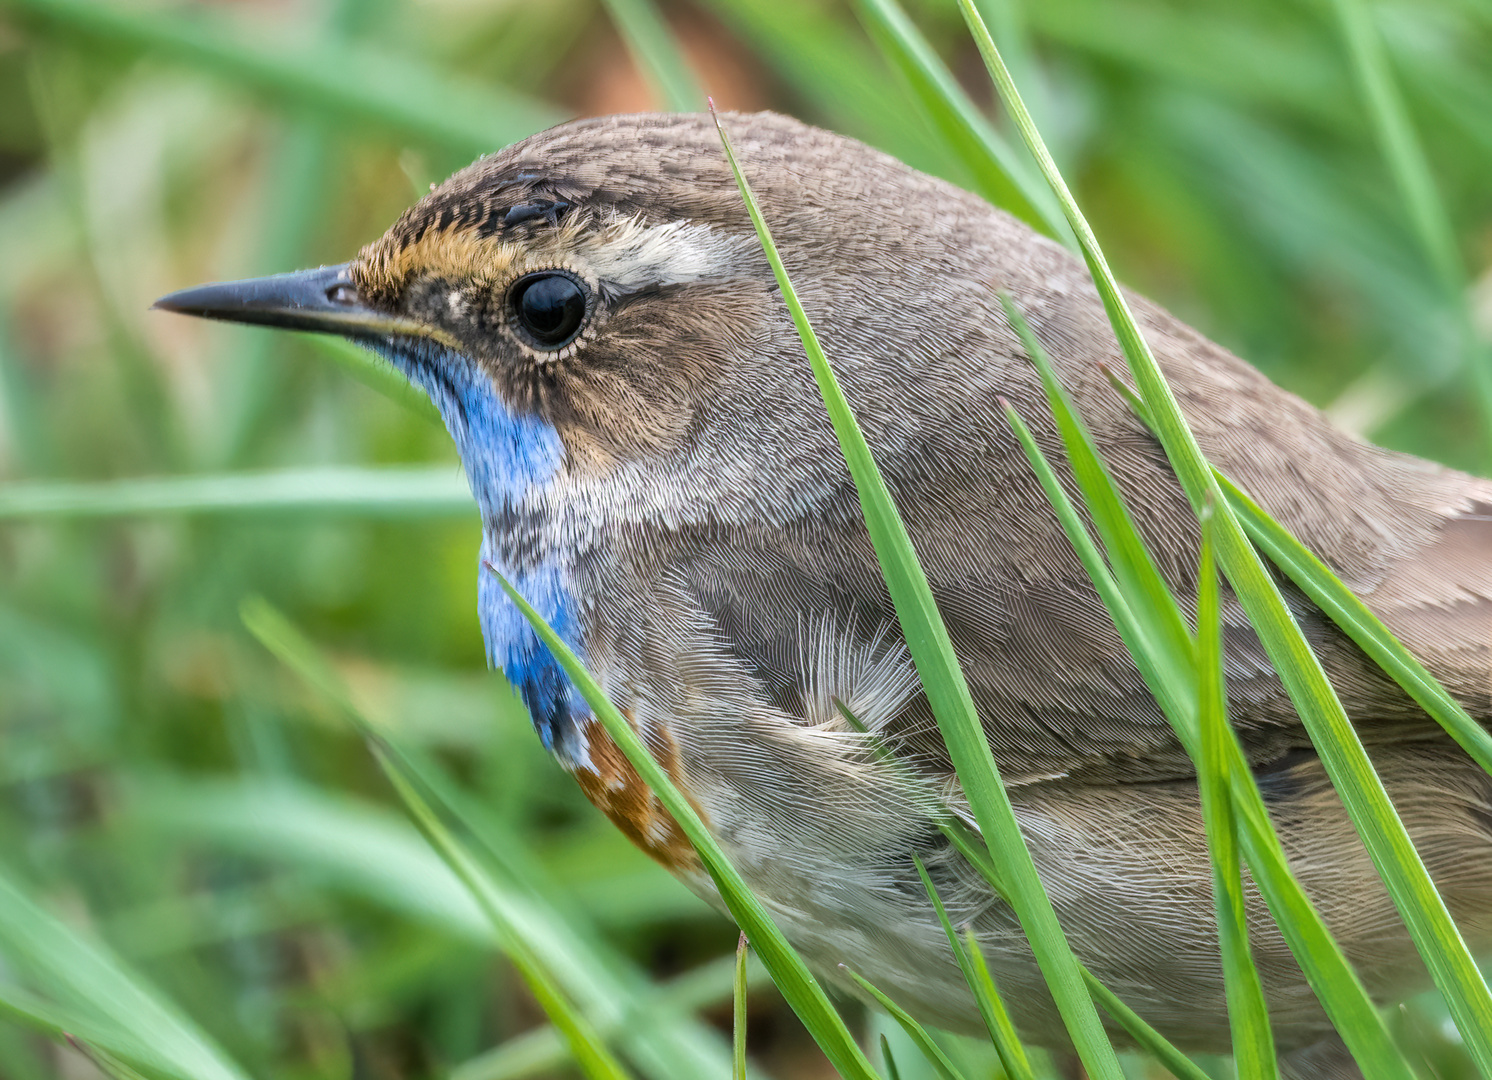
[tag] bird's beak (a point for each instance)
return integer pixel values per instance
(324, 301)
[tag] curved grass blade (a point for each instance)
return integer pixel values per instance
(918, 1034)
(540, 1052)
(947, 693)
(1358, 622)
(1342, 605)
(1331, 977)
(101, 1000)
(1248, 1015)
(1000, 174)
(354, 82)
(1018, 1066)
(586, 1046)
(1400, 146)
(1405, 156)
(1154, 1043)
(1134, 570)
(991, 1008)
(375, 373)
(738, 1012)
(416, 491)
(797, 984)
(1352, 774)
(892, 1072)
(657, 54)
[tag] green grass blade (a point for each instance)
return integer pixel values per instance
(1406, 160)
(796, 983)
(1248, 1014)
(1359, 623)
(1421, 907)
(586, 1045)
(539, 1051)
(1335, 983)
(1154, 1043)
(106, 1062)
(1000, 174)
(1400, 146)
(110, 1005)
(353, 82)
(375, 854)
(91, 1035)
(947, 693)
(821, 57)
(276, 633)
(1349, 613)
(656, 54)
(915, 1031)
(1167, 676)
(738, 1012)
(892, 1072)
(986, 997)
(1008, 1043)
(411, 492)
(1134, 570)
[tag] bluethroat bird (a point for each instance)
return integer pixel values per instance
(591, 313)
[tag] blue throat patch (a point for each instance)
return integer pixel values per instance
(506, 454)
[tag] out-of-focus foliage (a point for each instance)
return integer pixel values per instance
(179, 808)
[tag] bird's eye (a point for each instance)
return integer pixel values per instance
(548, 308)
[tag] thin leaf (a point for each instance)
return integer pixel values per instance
(915, 1031)
(1331, 977)
(991, 1008)
(539, 1052)
(374, 373)
(947, 693)
(103, 1001)
(1398, 863)
(1248, 1014)
(1411, 172)
(738, 1011)
(414, 491)
(1000, 173)
(797, 984)
(1342, 605)
(1177, 1063)
(1135, 572)
(892, 1072)
(586, 1045)
(346, 80)
(1359, 623)
(1018, 1066)
(657, 54)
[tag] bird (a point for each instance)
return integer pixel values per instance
(592, 313)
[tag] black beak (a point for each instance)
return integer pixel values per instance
(324, 301)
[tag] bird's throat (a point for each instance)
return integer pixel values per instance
(509, 458)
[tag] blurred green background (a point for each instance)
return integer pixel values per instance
(191, 822)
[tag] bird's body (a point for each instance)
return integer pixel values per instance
(592, 314)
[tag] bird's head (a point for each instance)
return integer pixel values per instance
(596, 295)
(598, 277)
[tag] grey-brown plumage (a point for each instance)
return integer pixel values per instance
(698, 528)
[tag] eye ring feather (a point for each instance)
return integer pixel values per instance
(548, 309)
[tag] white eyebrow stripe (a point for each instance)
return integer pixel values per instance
(632, 255)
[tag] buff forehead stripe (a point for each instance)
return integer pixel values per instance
(621, 250)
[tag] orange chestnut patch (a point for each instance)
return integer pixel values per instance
(614, 787)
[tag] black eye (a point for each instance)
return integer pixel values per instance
(549, 308)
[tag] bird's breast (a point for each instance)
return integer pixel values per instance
(610, 782)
